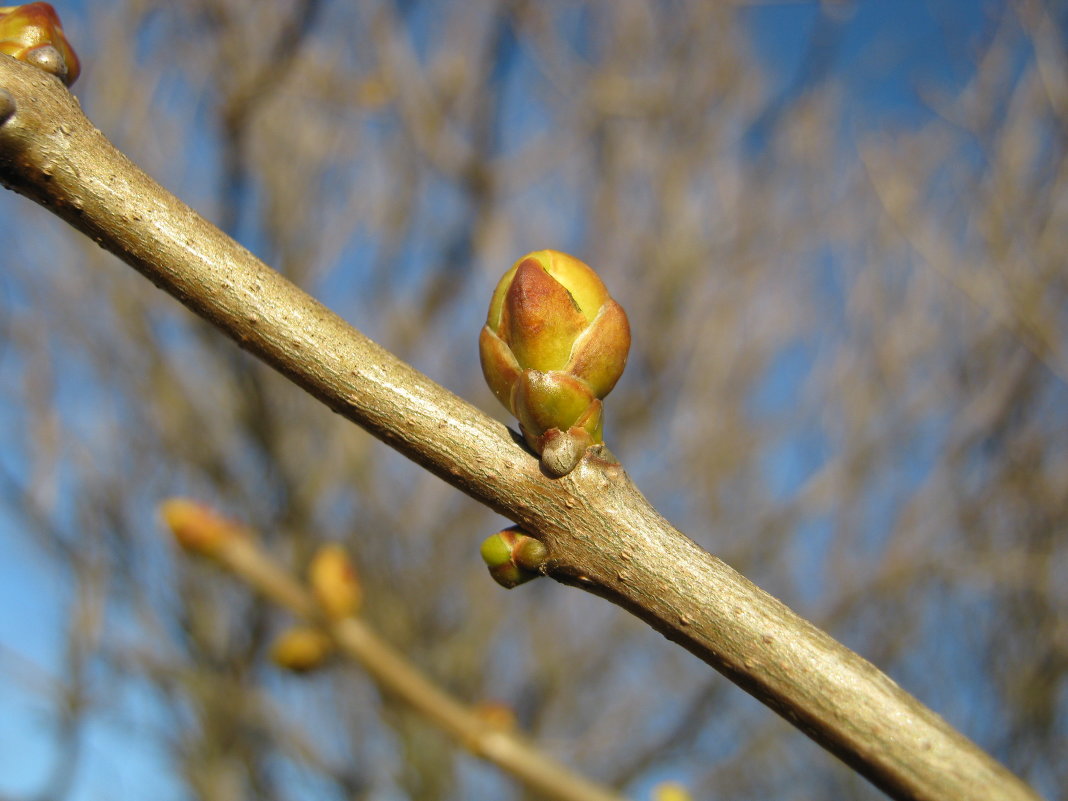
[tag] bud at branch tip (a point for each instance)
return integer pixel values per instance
(198, 528)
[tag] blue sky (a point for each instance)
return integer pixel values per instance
(880, 51)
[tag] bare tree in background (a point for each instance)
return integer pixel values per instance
(854, 371)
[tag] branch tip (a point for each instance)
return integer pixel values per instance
(198, 528)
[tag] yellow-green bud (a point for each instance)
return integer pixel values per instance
(513, 558)
(33, 33)
(334, 582)
(301, 649)
(198, 528)
(553, 345)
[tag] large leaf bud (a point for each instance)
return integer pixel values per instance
(33, 33)
(553, 346)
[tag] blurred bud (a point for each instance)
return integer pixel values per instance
(301, 649)
(197, 528)
(33, 33)
(513, 558)
(553, 345)
(497, 714)
(671, 791)
(334, 582)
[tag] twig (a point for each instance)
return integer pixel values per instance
(601, 534)
(396, 675)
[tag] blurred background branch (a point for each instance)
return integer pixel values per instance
(329, 605)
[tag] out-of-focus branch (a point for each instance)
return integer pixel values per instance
(235, 549)
(600, 532)
(896, 195)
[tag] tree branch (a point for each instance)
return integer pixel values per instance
(601, 533)
(394, 674)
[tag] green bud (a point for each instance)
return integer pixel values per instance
(513, 558)
(301, 649)
(553, 346)
(544, 401)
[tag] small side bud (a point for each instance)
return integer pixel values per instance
(33, 33)
(513, 558)
(301, 649)
(334, 582)
(197, 528)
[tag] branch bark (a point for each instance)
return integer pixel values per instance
(601, 533)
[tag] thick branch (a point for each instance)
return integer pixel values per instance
(601, 533)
